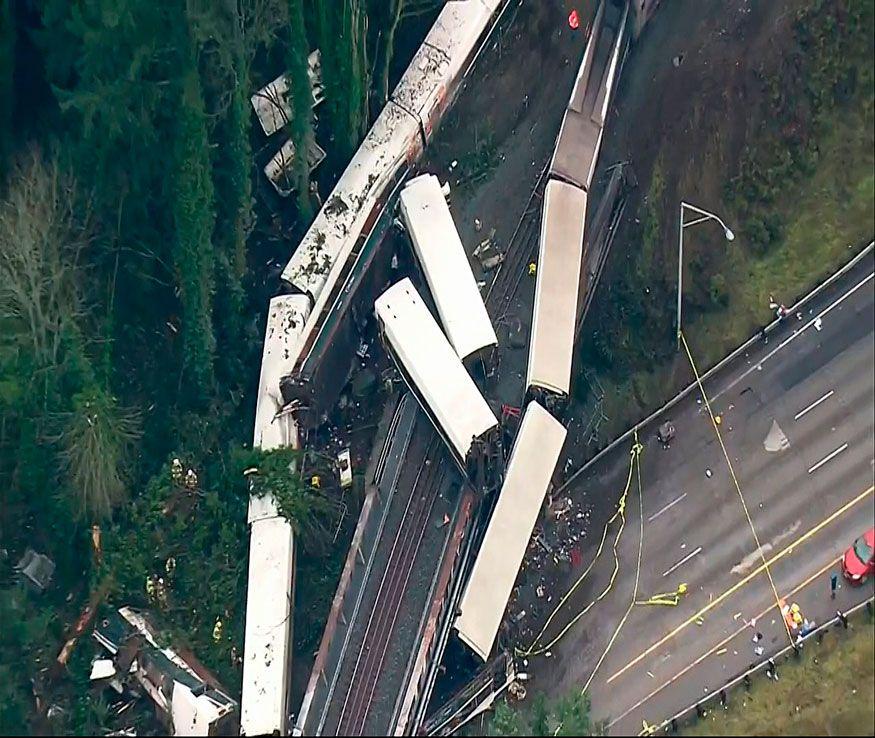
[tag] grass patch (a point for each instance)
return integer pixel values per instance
(829, 217)
(800, 202)
(828, 692)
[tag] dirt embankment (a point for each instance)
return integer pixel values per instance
(712, 92)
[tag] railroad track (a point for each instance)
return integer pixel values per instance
(381, 623)
(371, 656)
(519, 250)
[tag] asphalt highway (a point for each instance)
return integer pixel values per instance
(796, 418)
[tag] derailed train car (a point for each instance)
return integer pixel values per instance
(529, 471)
(447, 270)
(558, 291)
(440, 382)
(315, 273)
(551, 341)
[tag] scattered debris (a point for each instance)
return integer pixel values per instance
(272, 103)
(666, 433)
(344, 468)
(186, 696)
(102, 669)
(492, 262)
(37, 569)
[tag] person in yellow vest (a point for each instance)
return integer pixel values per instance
(176, 472)
(533, 268)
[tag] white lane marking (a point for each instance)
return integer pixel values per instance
(684, 560)
(758, 367)
(830, 457)
(814, 404)
(669, 505)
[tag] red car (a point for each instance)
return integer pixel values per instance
(859, 560)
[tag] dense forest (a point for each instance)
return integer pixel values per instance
(135, 224)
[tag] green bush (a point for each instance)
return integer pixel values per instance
(757, 235)
(718, 290)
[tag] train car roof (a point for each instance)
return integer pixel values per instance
(264, 703)
(529, 471)
(446, 266)
(440, 381)
(551, 343)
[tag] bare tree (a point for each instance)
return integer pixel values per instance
(97, 438)
(41, 242)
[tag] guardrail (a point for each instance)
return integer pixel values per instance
(719, 365)
(700, 708)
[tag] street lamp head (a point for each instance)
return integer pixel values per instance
(730, 236)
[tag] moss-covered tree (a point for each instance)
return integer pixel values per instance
(193, 213)
(7, 70)
(301, 98)
(342, 33)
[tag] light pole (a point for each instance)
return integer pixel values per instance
(703, 216)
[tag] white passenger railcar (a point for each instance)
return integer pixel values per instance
(434, 373)
(315, 270)
(580, 135)
(529, 471)
(446, 268)
(270, 594)
(551, 343)
(396, 138)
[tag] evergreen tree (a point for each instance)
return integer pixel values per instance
(391, 19)
(343, 45)
(301, 97)
(568, 716)
(7, 71)
(193, 212)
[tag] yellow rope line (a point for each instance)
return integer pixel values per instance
(621, 507)
(637, 573)
(737, 484)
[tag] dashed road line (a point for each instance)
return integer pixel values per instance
(715, 649)
(827, 458)
(813, 405)
(738, 585)
(792, 337)
(667, 507)
(684, 560)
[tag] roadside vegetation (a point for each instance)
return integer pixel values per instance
(568, 716)
(828, 692)
(798, 193)
(134, 228)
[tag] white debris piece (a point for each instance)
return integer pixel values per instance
(102, 669)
